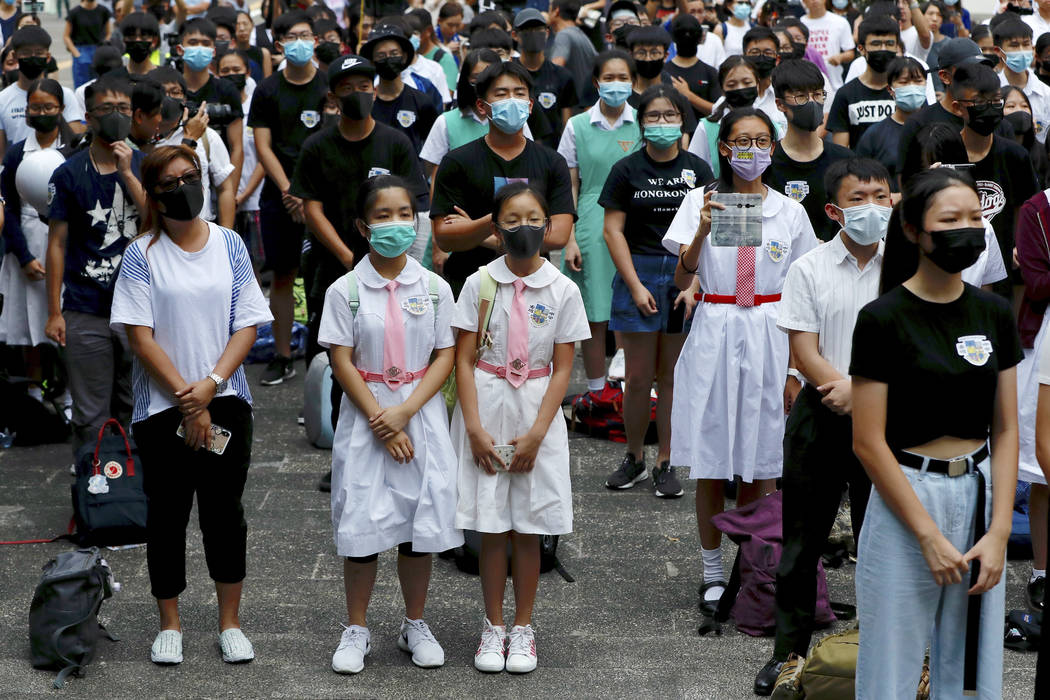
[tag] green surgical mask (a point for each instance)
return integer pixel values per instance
(663, 135)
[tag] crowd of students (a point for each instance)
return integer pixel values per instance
(415, 165)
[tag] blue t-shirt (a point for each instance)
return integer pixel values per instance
(101, 217)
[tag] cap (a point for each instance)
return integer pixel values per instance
(958, 52)
(385, 32)
(530, 15)
(349, 65)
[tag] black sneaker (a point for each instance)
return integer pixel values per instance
(767, 677)
(1035, 594)
(665, 483)
(325, 484)
(279, 369)
(629, 474)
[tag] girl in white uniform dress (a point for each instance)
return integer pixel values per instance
(513, 398)
(393, 466)
(730, 421)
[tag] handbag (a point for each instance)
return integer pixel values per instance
(109, 503)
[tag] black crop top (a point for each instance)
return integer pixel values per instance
(941, 362)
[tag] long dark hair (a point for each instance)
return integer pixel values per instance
(900, 259)
(467, 94)
(54, 88)
(734, 61)
(937, 142)
(1036, 151)
(725, 170)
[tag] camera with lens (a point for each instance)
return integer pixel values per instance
(218, 113)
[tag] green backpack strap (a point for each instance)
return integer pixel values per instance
(486, 300)
(353, 297)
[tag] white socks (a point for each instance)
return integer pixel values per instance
(596, 385)
(1037, 573)
(713, 571)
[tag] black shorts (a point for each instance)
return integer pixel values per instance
(282, 238)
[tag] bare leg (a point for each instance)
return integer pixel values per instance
(282, 306)
(169, 614)
(1037, 513)
(670, 347)
(525, 570)
(710, 501)
(493, 563)
(414, 574)
(749, 493)
(358, 580)
(229, 595)
(594, 351)
(640, 358)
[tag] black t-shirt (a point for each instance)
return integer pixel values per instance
(412, 113)
(857, 107)
(650, 193)
(219, 91)
(469, 176)
(701, 78)
(941, 362)
(328, 162)
(689, 120)
(881, 142)
(553, 90)
(88, 27)
(291, 113)
(1005, 180)
(804, 183)
(928, 115)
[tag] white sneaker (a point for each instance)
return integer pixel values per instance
(521, 656)
(167, 648)
(236, 649)
(416, 638)
(354, 645)
(618, 366)
(491, 656)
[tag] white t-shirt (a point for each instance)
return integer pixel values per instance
(860, 65)
(910, 39)
(432, 71)
(215, 164)
(13, 112)
(989, 267)
(251, 160)
(1039, 25)
(711, 51)
(830, 35)
(194, 302)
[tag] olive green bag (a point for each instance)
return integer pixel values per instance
(831, 668)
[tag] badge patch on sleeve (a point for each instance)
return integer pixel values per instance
(975, 349)
(540, 315)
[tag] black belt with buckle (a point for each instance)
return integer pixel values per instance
(951, 467)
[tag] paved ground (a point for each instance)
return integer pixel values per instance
(626, 628)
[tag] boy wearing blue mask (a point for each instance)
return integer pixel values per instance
(906, 79)
(1013, 45)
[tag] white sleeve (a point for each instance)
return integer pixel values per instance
(567, 145)
(132, 296)
(846, 37)
(797, 310)
(72, 112)
(1043, 368)
(805, 238)
(698, 144)
(994, 267)
(571, 324)
(443, 335)
(337, 321)
(436, 146)
(250, 307)
(685, 223)
(466, 314)
(219, 165)
(440, 81)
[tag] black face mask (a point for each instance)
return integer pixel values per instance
(993, 57)
(800, 49)
(327, 51)
(741, 97)
(32, 67)
(954, 250)
(620, 35)
(239, 80)
(764, 65)
(114, 127)
(138, 51)
(184, 203)
(1017, 9)
(533, 41)
(221, 47)
(649, 69)
(808, 116)
(878, 61)
(390, 68)
(685, 43)
(43, 122)
(523, 241)
(1020, 121)
(984, 119)
(356, 105)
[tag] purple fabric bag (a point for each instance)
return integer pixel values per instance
(758, 530)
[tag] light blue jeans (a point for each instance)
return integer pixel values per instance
(902, 609)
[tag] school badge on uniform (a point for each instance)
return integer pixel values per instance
(406, 118)
(975, 349)
(796, 189)
(547, 99)
(626, 145)
(689, 177)
(540, 315)
(417, 306)
(310, 118)
(376, 172)
(777, 250)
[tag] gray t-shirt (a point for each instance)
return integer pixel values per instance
(573, 45)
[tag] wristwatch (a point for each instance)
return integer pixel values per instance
(186, 141)
(220, 383)
(792, 372)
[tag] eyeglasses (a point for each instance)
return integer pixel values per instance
(802, 98)
(880, 44)
(305, 36)
(998, 104)
(745, 142)
(106, 110)
(513, 224)
(170, 184)
(382, 56)
(669, 116)
(43, 109)
(651, 54)
(770, 53)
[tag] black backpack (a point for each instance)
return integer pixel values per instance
(117, 516)
(466, 556)
(63, 619)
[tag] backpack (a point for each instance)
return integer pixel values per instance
(116, 515)
(317, 400)
(63, 617)
(1023, 630)
(830, 670)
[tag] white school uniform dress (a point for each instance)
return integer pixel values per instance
(376, 502)
(540, 501)
(728, 419)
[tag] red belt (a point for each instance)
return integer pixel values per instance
(731, 299)
(501, 371)
(393, 376)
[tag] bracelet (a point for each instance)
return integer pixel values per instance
(792, 372)
(681, 261)
(189, 142)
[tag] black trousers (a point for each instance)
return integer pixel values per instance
(818, 465)
(173, 473)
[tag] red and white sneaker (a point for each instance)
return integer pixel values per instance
(521, 655)
(491, 656)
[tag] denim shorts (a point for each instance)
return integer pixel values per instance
(656, 272)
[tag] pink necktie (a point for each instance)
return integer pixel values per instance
(518, 338)
(393, 339)
(745, 276)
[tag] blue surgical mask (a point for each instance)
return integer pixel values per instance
(910, 97)
(614, 93)
(197, 57)
(392, 238)
(1018, 61)
(414, 40)
(299, 52)
(663, 135)
(741, 10)
(510, 115)
(866, 223)
(839, 4)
